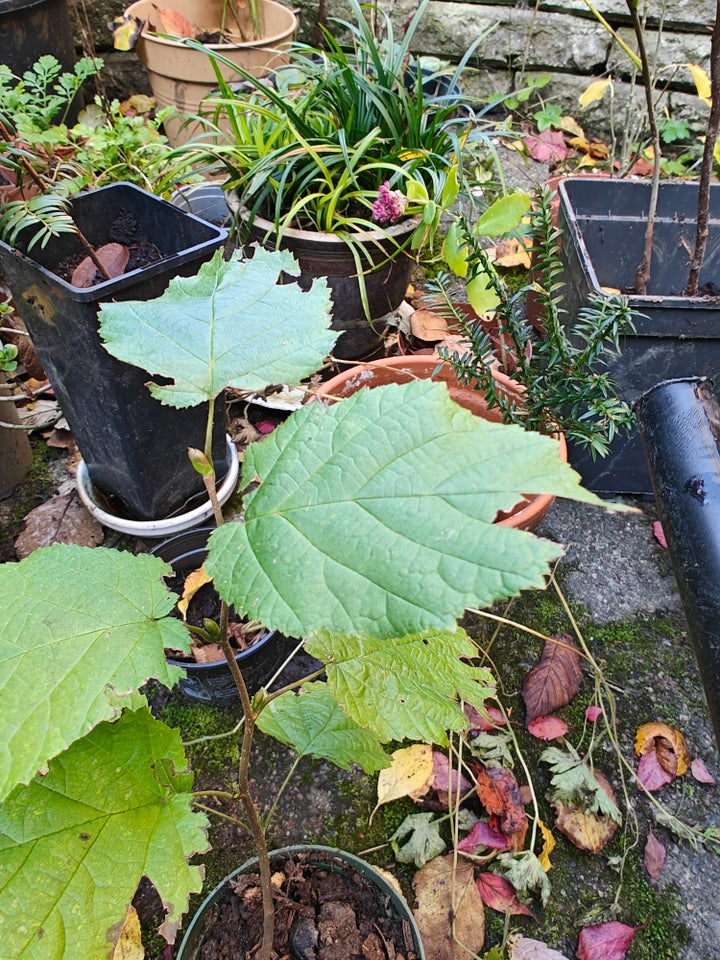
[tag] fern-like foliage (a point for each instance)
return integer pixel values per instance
(563, 372)
(46, 214)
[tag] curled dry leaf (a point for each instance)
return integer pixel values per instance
(555, 680)
(669, 745)
(588, 831)
(449, 909)
(193, 582)
(654, 856)
(500, 795)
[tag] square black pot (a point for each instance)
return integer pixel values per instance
(135, 448)
(602, 222)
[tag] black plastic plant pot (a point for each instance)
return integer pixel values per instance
(213, 682)
(134, 447)
(329, 859)
(603, 222)
(386, 274)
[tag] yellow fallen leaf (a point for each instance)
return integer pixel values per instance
(702, 82)
(645, 742)
(409, 775)
(450, 911)
(570, 125)
(198, 578)
(595, 92)
(129, 943)
(548, 846)
(511, 253)
(614, 290)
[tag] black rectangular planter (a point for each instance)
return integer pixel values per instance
(135, 448)
(602, 222)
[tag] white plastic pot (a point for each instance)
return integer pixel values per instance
(158, 528)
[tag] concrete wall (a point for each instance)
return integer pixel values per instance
(519, 41)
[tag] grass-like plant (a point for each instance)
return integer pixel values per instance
(314, 148)
(562, 370)
(366, 527)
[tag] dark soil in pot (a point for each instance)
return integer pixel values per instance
(326, 909)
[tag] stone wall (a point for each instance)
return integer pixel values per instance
(517, 41)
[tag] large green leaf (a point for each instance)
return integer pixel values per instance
(314, 724)
(404, 688)
(375, 516)
(80, 632)
(232, 324)
(75, 843)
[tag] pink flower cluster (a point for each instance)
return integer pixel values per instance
(389, 206)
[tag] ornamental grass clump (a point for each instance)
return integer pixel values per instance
(318, 145)
(366, 527)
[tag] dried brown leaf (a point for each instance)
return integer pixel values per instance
(114, 258)
(62, 519)
(588, 831)
(170, 21)
(428, 325)
(669, 745)
(555, 680)
(207, 652)
(449, 910)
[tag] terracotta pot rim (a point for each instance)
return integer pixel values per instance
(261, 43)
(526, 515)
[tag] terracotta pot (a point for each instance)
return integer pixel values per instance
(525, 515)
(182, 77)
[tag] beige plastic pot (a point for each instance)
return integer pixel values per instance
(182, 77)
(525, 515)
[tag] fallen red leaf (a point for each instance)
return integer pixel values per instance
(654, 856)
(547, 147)
(606, 941)
(477, 721)
(659, 533)
(547, 728)
(555, 680)
(482, 834)
(592, 713)
(499, 894)
(700, 771)
(651, 774)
